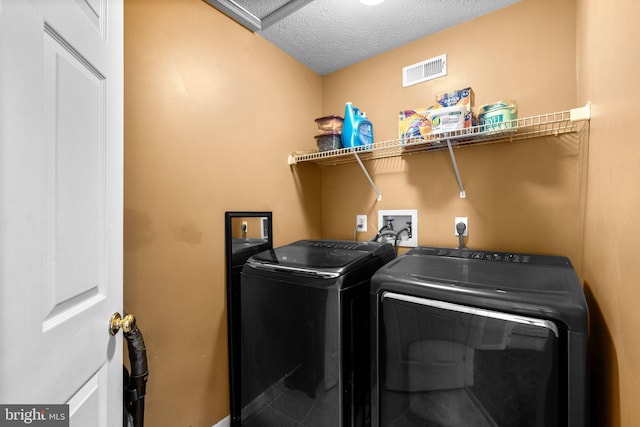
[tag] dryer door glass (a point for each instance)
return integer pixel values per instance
(443, 364)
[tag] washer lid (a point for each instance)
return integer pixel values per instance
(334, 255)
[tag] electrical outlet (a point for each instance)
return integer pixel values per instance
(361, 223)
(406, 220)
(463, 219)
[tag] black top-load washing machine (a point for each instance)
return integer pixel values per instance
(476, 338)
(304, 336)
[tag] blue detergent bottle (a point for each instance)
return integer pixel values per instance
(357, 128)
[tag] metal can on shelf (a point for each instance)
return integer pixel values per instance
(498, 115)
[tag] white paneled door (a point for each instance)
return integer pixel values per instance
(61, 195)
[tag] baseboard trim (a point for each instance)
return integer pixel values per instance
(225, 422)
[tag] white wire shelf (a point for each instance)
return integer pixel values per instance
(551, 124)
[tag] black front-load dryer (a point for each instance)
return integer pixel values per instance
(464, 338)
(304, 352)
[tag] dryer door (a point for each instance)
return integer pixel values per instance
(446, 364)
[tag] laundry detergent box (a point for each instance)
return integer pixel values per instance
(415, 125)
(447, 119)
(453, 98)
(459, 97)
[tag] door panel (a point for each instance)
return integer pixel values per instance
(86, 407)
(94, 11)
(75, 232)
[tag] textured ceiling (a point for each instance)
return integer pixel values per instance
(327, 35)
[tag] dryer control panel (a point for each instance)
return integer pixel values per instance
(485, 255)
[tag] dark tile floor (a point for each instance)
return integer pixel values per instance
(294, 408)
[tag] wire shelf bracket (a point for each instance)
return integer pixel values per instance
(373, 184)
(455, 168)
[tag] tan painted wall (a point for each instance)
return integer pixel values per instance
(608, 70)
(194, 82)
(212, 111)
(525, 196)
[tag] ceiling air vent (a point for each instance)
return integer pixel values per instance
(425, 70)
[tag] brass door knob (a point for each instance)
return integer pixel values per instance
(126, 323)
